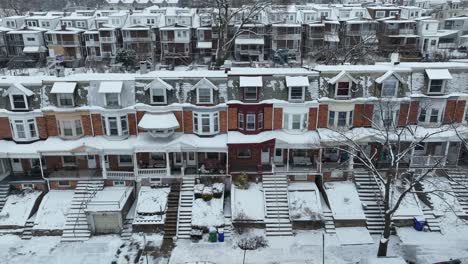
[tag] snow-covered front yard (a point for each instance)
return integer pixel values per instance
(344, 201)
(18, 208)
(208, 213)
(304, 202)
(248, 205)
(151, 204)
(53, 210)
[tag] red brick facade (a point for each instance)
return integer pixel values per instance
(454, 111)
(323, 116)
(132, 125)
(223, 121)
(278, 118)
(267, 118)
(41, 127)
(51, 122)
(313, 118)
(363, 115)
(97, 124)
(188, 126)
(178, 115)
(5, 130)
(87, 128)
(232, 115)
(413, 113)
(402, 118)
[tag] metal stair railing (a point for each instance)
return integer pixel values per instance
(83, 205)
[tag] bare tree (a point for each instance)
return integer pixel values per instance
(398, 138)
(229, 23)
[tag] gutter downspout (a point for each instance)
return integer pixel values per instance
(42, 172)
(92, 125)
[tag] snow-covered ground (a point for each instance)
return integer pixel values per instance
(304, 201)
(208, 213)
(53, 209)
(152, 204)
(18, 208)
(344, 201)
(248, 205)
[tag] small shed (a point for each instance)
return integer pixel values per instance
(106, 211)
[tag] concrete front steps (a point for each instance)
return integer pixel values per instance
(76, 225)
(459, 184)
(170, 226)
(4, 191)
(275, 192)
(184, 224)
(127, 229)
(369, 194)
(329, 222)
(27, 231)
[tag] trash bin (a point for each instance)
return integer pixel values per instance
(213, 235)
(220, 235)
(419, 223)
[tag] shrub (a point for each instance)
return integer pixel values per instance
(242, 181)
(207, 193)
(218, 189)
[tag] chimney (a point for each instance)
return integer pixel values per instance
(227, 66)
(143, 67)
(63, 26)
(395, 58)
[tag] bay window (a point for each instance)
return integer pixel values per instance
(115, 125)
(205, 123)
(24, 129)
(70, 128)
(204, 95)
(340, 119)
(250, 121)
(295, 121)
(430, 113)
(240, 120)
(386, 117)
(65, 99)
(158, 95)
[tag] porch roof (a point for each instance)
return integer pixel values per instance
(180, 142)
(283, 139)
(159, 121)
(250, 41)
(58, 146)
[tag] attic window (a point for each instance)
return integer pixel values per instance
(158, 95)
(389, 87)
(65, 99)
(204, 95)
(18, 101)
(437, 80)
(343, 89)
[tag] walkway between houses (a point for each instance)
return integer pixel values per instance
(76, 225)
(275, 192)
(184, 226)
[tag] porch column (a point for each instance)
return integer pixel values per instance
(168, 168)
(319, 163)
(287, 160)
(103, 165)
(40, 166)
(135, 165)
(227, 162)
(446, 152)
(351, 160)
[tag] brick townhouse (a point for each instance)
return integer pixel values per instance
(139, 129)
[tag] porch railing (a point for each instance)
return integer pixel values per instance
(427, 160)
(152, 172)
(121, 175)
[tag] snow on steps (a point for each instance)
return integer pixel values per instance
(275, 192)
(329, 222)
(459, 184)
(4, 191)
(76, 225)
(184, 218)
(127, 229)
(369, 193)
(27, 231)
(227, 227)
(432, 222)
(170, 225)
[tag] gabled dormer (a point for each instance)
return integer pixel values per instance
(19, 97)
(158, 91)
(341, 86)
(204, 90)
(388, 85)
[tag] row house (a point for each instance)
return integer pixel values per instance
(67, 45)
(433, 40)
(398, 35)
(26, 45)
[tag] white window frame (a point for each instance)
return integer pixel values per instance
(429, 114)
(74, 128)
(197, 118)
(198, 95)
(62, 95)
(69, 164)
(379, 14)
(152, 94)
(348, 120)
(25, 123)
(260, 120)
(288, 121)
(380, 120)
(118, 99)
(442, 89)
(296, 99)
(25, 98)
(240, 120)
(465, 117)
(349, 89)
(245, 94)
(125, 164)
(121, 132)
(247, 121)
(395, 92)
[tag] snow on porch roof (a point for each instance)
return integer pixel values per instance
(159, 121)
(181, 142)
(438, 74)
(283, 139)
(63, 88)
(110, 87)
(250, 81)
(250, 41)
(297, 81)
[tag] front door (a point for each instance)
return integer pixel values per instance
(191, 159)
(91, 162)
(278, 156)
(16, 165)
(452, 155)
(177, 158)
(265, 155)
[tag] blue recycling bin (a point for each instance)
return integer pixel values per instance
(220, 235)
(419, 223)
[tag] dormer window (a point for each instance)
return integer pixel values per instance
(18, 102)
(343, 89)
(437, 80)
(343, 84)
(112, 99)
(111, 91)
(296, 86)
(390, 83)
(18, 95)
(250, 87)
(204, 95)
(250, 93)
(65, 99)
(158, 91)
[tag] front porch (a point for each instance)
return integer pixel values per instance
(297, 160)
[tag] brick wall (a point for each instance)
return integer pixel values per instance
(460, 111)
(51, 122)
(363, 115)
(313, 118)
(323, 116)
(188, 126)
(267, 117)
(132, 124)
(55, 185)
(26, 164)
(402, 119)
(278, 118)
(5, 130)
(178, 115)
(87, 129)
(53, 162)
(413, 113)
(235, 162)
(454, 111)
(140, 115)
(223, 121)
(232, 116)
(41, 127)
(97, 124)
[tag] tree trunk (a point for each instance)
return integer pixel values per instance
(383, 244)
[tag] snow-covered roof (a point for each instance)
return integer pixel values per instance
(109, 199)
(18, 87)
(110, 87)
(297, 81)
(63, 88)
(204, 83)
(438, 74)
(340, 76)
(159, 121)
(181, 142)
(250, 41)
(284, 139)
(382, 78)
(204, 45)
(33, 49)
(250, 81)
(159, 83)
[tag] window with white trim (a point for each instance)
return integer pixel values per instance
(65, 99)
(379, 14)
(240, 120)
(70, 128)
(386, 117)
(390, 87)
(260, 121)
(115, 125)
(430, 115)
(69, 161)
(296, 94)
(436, 86)
(18, 101)
(340, 119)
(158, 95)
(295, 121)
(250, 93)
(244, 153)
(112, 99)
(250, 121)
(125, 160)
(204, 95)
(205, 123)
(24, 129)
(343, 89)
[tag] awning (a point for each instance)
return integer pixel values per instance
(250, 81)
(204, 45)
(297, 81)
(63, 88)
(159, 121)
(438, 74)
(34, 49)
(250, 41)
(110, 87)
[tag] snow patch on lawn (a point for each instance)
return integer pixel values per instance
(248, 205)
(208, 213)
(17, 208)
(53, 210)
